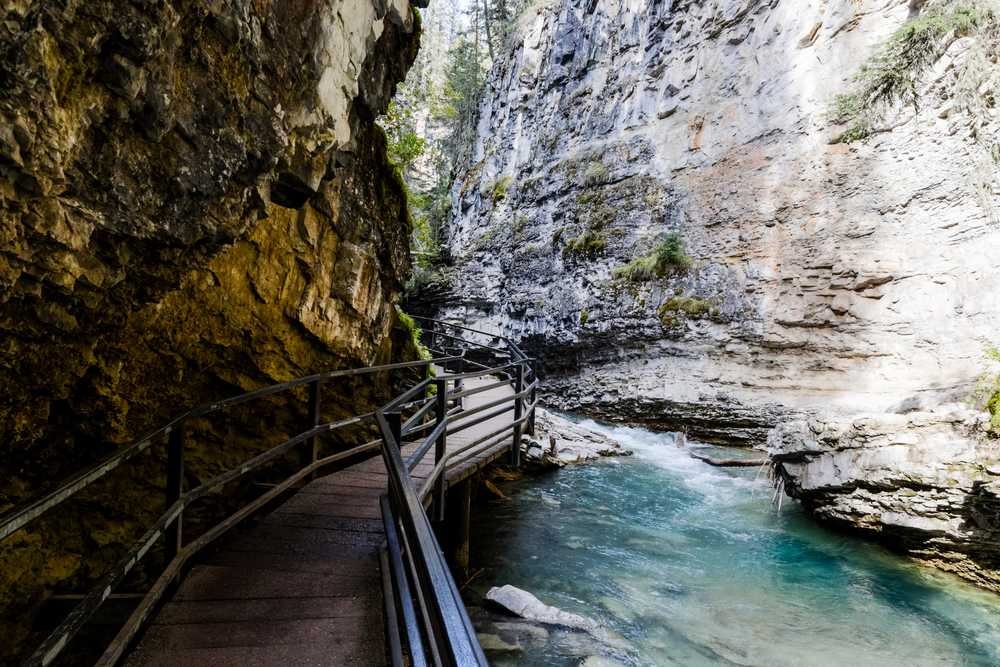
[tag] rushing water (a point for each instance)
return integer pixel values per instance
(692, 565)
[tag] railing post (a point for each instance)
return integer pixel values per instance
(431, 339)
(460, 383)
(515, 448)
(175, 487)
(532, 398)
(440, 446)
(311, 452)
(395, 421)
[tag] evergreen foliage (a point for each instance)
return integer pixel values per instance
(893, 76)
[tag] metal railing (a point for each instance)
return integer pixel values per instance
(415, 575)
(429, 621)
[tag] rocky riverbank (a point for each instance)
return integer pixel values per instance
(926, 483)
(559, 441)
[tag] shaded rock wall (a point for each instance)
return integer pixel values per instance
(834, 277)
(194, 201)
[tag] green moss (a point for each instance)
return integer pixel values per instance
(498, 189)
(679, 308)
(415, 333)
(486, 239)
(519, 225)
(595, 174)
(668, 257)
(893, 76)
(584, 316)
(557, 235)
(588, 244)
(987, 392)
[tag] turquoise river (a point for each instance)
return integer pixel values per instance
(693, 565)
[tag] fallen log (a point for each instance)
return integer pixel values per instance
(728, 463)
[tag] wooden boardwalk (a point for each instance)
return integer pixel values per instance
(303, 585)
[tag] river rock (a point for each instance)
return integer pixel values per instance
(574, 442)
(524, 604)
(923, 482)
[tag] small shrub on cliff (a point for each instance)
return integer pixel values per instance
(413, 330)
(987, 392)
(667, 257)
(498, 189)
(893, 76)
(596, 173)
(679, 308)
(588, 244)
(404, 144)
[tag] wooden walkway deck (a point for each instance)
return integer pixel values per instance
(303, 585)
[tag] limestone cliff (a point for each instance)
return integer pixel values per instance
(823, 278)
(827, 275)
(194, 201)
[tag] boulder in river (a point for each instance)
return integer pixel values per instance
(522, 603)
(559, 442)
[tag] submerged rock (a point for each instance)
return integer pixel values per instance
(560, 631)
(925, 483)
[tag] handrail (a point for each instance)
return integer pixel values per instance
(17, 518)
(446, 627)
(441, 633)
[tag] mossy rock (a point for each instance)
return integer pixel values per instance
(679, 308)
(588, 245)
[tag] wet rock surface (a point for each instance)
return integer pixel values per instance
(514, 623)
(558, 442)
(926, 483)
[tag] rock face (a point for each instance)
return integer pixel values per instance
(927, 483)
(194, 201)
(825, 277)
(826, 280)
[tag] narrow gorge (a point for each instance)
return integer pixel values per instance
(663, 205)
(508, 332)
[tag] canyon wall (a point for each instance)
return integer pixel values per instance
(835, 276)
(826, 279)
(194, 201)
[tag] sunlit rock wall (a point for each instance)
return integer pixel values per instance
(829, 280)
(194, 201)
(835, 277)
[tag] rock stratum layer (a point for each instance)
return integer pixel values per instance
(194, 201)
(826, 279)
